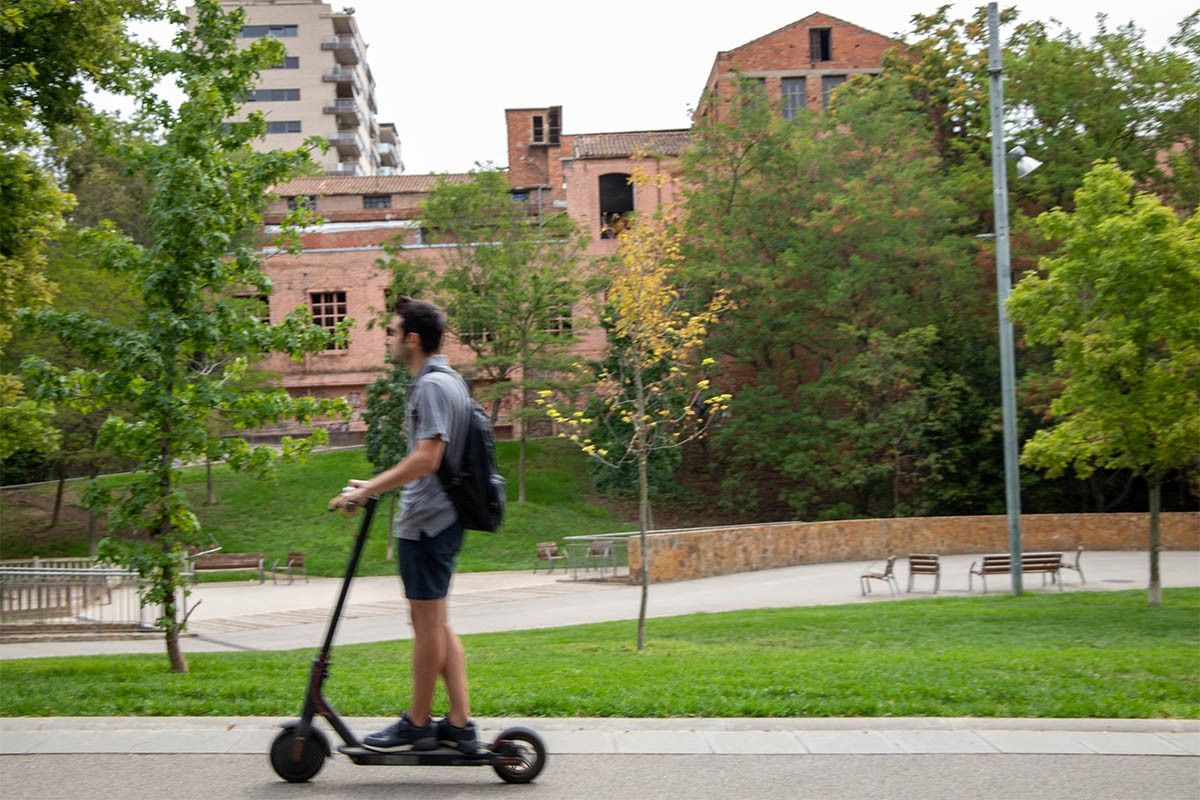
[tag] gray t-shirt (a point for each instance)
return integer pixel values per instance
(438, 408)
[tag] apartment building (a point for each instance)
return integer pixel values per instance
(323, 86)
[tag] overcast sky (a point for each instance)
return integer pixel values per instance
(446, 70)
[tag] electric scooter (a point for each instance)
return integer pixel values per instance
(299, 751)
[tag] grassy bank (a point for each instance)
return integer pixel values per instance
(289, 514)
(1082, 654)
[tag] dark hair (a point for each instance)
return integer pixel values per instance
(424, 319)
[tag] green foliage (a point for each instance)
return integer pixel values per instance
(1119, 303)
(1110, 97)
(209, 186)
(1044, 655)
(507, 281)
(51, 48)
(288, 513)
(841, 242)
(385, 415)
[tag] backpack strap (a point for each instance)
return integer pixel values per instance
(445, 473)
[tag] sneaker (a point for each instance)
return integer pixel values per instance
(464, 739)
(403, 735)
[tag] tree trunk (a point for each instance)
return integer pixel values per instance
(391, 540)
(61, 473)
(1155, 503)
(521, 416)
(639, 435)
(93, 520)
(211, 498)
(644, 515)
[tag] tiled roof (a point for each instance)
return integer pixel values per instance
(370, 184)
(624, 145)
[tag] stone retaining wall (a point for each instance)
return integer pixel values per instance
(700, 552)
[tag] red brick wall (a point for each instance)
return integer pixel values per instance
(702, 552)
(788, 52)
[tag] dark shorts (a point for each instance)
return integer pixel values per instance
(427, 564)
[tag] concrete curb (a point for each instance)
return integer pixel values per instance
(680, 736)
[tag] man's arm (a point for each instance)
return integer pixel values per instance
(422, 461)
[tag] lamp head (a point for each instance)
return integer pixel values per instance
(1025, 164)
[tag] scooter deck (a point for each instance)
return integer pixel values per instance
(442, 757)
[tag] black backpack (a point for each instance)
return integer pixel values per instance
(475, 488)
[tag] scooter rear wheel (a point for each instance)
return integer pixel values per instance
(312, 755)
(519, 755)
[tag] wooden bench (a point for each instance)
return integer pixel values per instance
(548, 553)
(924, 564)
(289, 566)
(1001, 563)
(887, 575)
(229, 562)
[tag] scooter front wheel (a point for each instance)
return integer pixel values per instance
(311, 754)
(518, 755)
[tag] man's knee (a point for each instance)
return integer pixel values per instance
(427, 615)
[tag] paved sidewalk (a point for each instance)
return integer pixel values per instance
(686, 736)
(247, 616)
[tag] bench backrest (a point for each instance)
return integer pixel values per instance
(547, 550)
(923, 563)
(1030, 562)
(295, 560)
(228, 561)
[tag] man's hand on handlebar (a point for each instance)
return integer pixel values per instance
(350, 498)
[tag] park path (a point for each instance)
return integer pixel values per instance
(249, 616)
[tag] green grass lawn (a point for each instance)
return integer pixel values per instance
(1082, 654)
(289, 514)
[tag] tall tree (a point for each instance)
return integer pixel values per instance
(835, 235)
(209, 187)
(1119, 302)
(510, 285)
(660, 387)
(51, 50)
(386, 416)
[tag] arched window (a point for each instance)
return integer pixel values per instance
(616, 203)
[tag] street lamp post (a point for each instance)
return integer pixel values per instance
(1008, 380)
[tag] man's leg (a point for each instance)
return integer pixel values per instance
(454, 673)
(429, 655)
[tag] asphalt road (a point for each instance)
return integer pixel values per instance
(619, 777)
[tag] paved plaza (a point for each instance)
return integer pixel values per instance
(250, 616)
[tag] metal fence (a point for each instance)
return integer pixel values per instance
(68, 594)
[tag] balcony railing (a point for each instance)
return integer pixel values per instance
(347, 143)
(344, 47)
(347, 111)
(343, 75)
(387, 154)
(344, 170)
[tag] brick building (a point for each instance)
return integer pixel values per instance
(798, 66)
(586, 175)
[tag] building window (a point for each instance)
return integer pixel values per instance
(828, 84)
(616, 204)
(300, 201)
(328, 309)
(289, 62)
(278, 31)
(539, 129)
(257, 304)
(287, 126)
(271, 95)
(559, 322)
(520, 197)
(794, 98)
(377, 201)
(821, 41)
